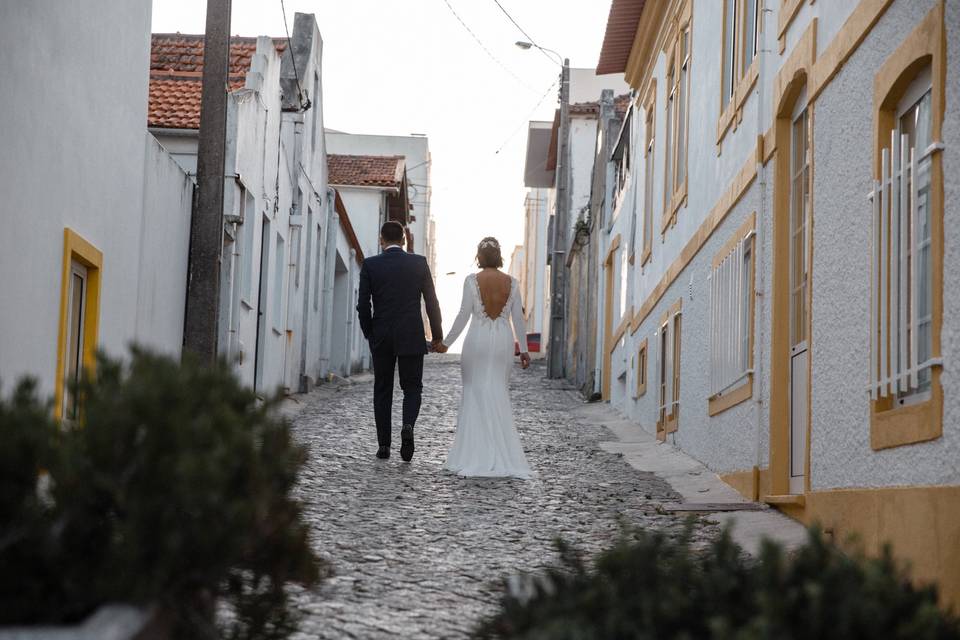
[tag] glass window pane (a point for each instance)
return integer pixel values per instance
(681, 129)
(750, 34)
(729, 39)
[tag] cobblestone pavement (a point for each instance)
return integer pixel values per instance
(419, 552)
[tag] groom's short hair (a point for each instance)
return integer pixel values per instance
(392, 231)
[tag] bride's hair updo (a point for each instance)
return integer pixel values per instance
(488, 254)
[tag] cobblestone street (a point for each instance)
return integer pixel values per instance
(418, 552)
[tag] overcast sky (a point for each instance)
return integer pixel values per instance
(408, 66)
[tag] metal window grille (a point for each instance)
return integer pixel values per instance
(730, 298)
(898, 242)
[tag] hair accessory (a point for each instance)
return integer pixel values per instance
(489, 242)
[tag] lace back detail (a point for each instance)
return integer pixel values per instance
(481, 311)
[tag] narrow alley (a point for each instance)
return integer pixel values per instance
(418, 552)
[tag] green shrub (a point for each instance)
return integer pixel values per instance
(175, 490)
(649, 586)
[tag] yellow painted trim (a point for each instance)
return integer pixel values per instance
(793, 499)
(721, 402)
(921, 523)
(788, 11)
(734, 109)
(795, 70)
(650, 107)
(675, 198)
(643, 363)
(614, 245)
(77, 248)
(751, 484)
(670, 422)
(892, 426)
(718, 213)
(607, 322)
(749, 224)
(788, 83)
(620, 330)
(856, 27)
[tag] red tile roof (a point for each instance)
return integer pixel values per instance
(618, 39)
(365, 171)
(184, 52)
(176, 68)
(620, 106)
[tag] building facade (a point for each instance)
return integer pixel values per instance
(774, 276)
(290, 259)
(96, 215)
(415, 150)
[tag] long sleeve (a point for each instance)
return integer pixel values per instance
(466, 308)
(519, 325)
(433, 306)
(364, 309)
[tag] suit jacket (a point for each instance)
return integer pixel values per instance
(394, 282)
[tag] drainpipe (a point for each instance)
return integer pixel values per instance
(233, 331)
(759, 257)
(350, 314)
(330, 263)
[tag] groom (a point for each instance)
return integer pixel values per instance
(396, 280)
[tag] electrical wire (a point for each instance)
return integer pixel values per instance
(484, 47)
(527, 119)
(303, 105)
(525, 34)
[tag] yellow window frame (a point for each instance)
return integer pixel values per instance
(76, 248)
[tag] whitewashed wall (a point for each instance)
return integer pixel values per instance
(73, 155)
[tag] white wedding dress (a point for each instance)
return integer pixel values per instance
(487, 443)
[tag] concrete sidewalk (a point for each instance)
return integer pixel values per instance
(693, 481)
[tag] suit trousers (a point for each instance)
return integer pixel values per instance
(410, 368)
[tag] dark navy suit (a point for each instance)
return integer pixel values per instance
(394, 282)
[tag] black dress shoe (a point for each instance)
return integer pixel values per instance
(406, 443)
(383, 453)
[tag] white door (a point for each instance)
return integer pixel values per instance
(799, 283)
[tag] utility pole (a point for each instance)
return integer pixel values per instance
(206, 223)
(558, 263)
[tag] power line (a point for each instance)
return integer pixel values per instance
(293, 60)
(484, 47)
(526, 35)
(527, 119)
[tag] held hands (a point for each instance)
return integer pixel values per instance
(524, 360)
(437, 346)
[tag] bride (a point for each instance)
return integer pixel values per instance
(487, 443)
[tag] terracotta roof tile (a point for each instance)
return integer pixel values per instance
(184, 52)
(365, 171)
(620, 106)
(176, 67)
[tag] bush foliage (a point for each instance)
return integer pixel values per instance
(174, 490)
(649, 586)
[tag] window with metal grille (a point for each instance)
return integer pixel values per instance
(901, 305)
(731, 316)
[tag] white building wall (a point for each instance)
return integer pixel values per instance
(841, 455)
(416, 150)
(738, 438)
(365, 207)
(73, 156)
(164, 250)
(583, 145)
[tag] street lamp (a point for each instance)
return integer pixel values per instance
(523, 44)
(558, 284)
